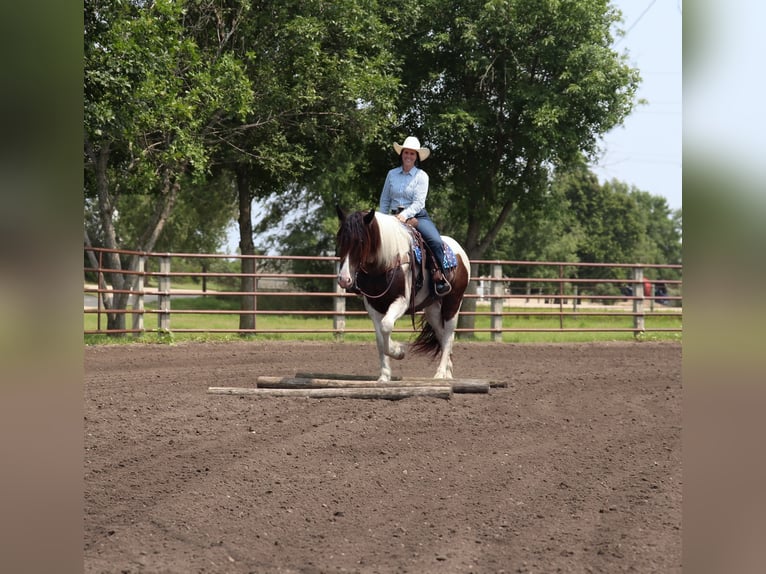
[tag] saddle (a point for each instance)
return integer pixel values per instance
(424, 263)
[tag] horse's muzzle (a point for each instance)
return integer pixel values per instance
(345, 282)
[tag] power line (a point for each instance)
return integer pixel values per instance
(633, 25)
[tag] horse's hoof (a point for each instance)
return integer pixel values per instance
(397, 353)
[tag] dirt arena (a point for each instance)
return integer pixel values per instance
(574, 467)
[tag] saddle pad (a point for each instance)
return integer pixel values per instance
(450, 260)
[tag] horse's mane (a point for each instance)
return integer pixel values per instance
(378, 243)
(396, 240)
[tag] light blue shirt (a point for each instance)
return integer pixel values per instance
(408, 190)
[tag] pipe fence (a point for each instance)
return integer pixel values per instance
(299, 294)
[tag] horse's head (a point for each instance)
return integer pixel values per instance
(358, 241)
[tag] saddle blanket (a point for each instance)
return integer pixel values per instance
(450, 259)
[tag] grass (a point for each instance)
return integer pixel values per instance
(205, 322)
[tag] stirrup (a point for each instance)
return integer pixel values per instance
(441, 285)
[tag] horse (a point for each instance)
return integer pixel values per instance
(379, 260)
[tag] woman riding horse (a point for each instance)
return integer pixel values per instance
(404, 196)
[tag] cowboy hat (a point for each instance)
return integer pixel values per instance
(414, 144)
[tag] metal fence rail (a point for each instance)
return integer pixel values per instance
(499, 289)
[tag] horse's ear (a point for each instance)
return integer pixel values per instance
(369, 217)
(341, 215)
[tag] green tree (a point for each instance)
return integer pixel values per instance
(323, 78)
(503, 92)
(506, 90)
(153, 103)
(662, 229)
(613, 225)
(614, 222)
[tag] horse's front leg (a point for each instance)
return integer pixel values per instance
(395, 311)
(384, 327)
(385, 363)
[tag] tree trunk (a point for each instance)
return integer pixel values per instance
(246, 247)
(120, 281)
(100, 161)
(476, 246)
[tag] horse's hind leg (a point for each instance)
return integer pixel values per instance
(445, 333)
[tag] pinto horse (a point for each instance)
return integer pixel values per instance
(379, 260)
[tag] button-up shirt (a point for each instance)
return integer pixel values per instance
(408, 190)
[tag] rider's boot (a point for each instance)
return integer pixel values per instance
(441, 285)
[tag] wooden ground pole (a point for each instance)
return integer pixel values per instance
(389, 393)
(457, 385)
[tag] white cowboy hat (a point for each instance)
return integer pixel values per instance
(412, 143)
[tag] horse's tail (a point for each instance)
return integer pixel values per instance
(426, 342)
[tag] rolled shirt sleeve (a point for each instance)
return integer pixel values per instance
(385, 195)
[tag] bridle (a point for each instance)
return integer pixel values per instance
(399, 262)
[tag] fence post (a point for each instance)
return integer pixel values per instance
(138, 298)
(339, 319)
(99, 281)
(638, 301)
(576, 297)
(497, 303)
(255, 295)
(561, 297)
(163, 295)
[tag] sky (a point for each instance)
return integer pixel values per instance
(645, 151)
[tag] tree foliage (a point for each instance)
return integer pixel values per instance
(153, 100)
(504, 92)
(323, 80)
(507, 89)
(614, 222)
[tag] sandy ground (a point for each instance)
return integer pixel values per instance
(574, 467)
